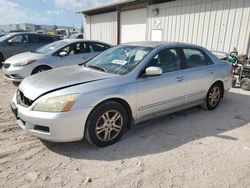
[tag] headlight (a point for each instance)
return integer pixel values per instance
(22, 63)
(56, 104)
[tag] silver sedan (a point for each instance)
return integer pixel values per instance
(58, 54)
(130, 83)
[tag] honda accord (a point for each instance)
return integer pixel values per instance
(130, 83)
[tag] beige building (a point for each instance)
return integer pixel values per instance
(218, 25)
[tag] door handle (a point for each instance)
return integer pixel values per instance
(180, 78)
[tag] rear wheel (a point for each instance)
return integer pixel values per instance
(40, 69)
(245, 84)
(1, 60)
(234, 82)
(16, 83)
(213, 97)
(106, 124)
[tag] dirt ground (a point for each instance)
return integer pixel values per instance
(192, 148)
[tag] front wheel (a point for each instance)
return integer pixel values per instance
(213, 97)
(40, 69)
(1, 60)
(106, 124)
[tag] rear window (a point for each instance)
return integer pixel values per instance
(195, 58)
(97, 47)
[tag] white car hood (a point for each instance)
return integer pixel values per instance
(23, 57)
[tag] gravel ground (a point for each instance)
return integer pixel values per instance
(192, 148)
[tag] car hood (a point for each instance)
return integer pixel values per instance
(42, 83)
(23, 57)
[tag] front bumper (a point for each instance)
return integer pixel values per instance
(17, 74)
(55, 127)
(227, 84)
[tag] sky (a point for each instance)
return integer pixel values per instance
(59, 12)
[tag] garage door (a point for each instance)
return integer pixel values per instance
(133, 25)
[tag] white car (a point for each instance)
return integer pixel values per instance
(54, 55)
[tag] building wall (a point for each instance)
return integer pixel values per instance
(27, 27)
(218, 25)
(8, 28)
(102, 27)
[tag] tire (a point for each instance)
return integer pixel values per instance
(100, 129)
(245, 84)
(213, 97)
(40, 69)
(1, 60)
(16, 83)
(234, 82)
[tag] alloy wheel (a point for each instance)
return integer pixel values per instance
(109, 125)
(214, 96)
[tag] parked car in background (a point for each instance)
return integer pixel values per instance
(15, 43)
(76, 36)
(2, 34)
(58, 54)
(63, 33)
(126, 84)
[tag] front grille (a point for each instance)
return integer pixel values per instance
(22, 100)
(6, 65)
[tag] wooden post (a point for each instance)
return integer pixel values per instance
(118, 25)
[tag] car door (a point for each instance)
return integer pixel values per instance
(199, 73)
(33, 42)
(75, 54)
(156, 94)
(88, 51)
(43, 40)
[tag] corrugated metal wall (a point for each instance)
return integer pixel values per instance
(86, 27)
(215, 24)
(102, 27)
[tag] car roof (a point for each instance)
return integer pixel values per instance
(155, 44)
(83, 40)
(33, 33)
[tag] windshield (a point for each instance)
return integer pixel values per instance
(119, 60)
(3, 38)
(51, 47)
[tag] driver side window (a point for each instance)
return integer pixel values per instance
(19, 39)
(167, 59)
(76, 48)
(65, 49)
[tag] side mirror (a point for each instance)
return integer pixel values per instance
(153, 71)
(62, 54)
(10, 42)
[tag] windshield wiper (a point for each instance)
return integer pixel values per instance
(97, 68)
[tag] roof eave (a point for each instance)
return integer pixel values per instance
(108, 7)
